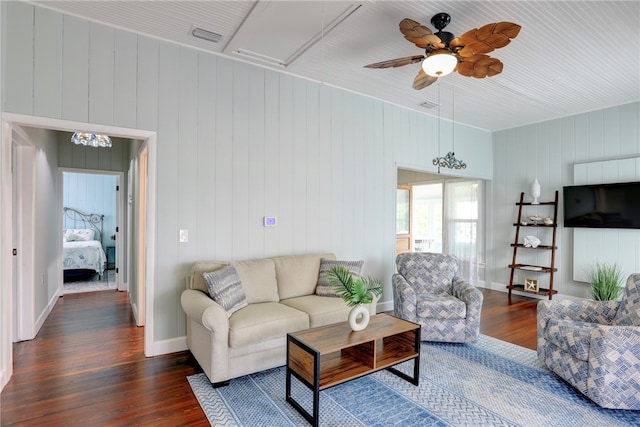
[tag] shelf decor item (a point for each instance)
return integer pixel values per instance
(356, 292)
(531, 285)
(535, 191)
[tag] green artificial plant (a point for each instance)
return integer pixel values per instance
(605, 280)
(353, 291)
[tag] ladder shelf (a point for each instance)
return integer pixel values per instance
(531, 285)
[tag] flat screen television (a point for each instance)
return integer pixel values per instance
(602, 205)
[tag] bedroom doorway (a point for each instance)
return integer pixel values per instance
(93, 192)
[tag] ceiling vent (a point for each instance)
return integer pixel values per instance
(206, 35)
(428, 105)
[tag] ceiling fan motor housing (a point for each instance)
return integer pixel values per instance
(440, 20)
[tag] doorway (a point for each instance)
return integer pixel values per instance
(7, 303)
(445, 216)
(96, 192)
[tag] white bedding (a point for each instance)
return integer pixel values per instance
(87, 255)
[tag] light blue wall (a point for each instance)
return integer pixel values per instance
(234, 143)
(548, 151)
(92, 193)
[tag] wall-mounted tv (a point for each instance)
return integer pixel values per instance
(602, 205)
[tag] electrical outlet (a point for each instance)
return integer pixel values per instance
(184, 236)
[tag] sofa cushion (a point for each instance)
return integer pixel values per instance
(323, 287)
(440, 307)
(196, 279)
(571, 336)
(258, 280)
(263, 321)
(297, 275)
(226, 289)
(321, 310)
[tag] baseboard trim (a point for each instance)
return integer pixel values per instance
(172, 345)
(381, 307)
(45, 313)
(5, 376)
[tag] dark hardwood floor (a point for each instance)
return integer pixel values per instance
(87, 366)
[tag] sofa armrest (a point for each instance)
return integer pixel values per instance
(404, 298)
(205, 311)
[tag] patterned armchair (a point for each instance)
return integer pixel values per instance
(426, 290)
(595, 345)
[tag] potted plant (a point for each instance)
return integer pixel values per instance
(605, 280)
(356, 293)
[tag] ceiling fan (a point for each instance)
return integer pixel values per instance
(445, 53)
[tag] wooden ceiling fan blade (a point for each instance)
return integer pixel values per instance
(423, 80)
(419, 35)
(479, 66)
(398, 62)
(509, 29)
(488, 38)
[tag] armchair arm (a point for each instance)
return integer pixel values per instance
(404, 298)
(473, 298)
(614, 369)
(589, 311)
(466, 292)
(205, 311)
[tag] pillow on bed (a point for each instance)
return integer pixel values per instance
(79, 235)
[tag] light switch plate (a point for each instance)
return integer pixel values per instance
(270, 221)
(184, 236)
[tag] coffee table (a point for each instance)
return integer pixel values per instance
(329, 355)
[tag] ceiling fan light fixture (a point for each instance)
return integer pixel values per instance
(439, 63)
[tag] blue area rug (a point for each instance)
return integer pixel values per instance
(489, 383)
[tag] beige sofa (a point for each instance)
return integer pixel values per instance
(281, 298)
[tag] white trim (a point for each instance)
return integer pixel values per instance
(23, 202)
(47, 310)
(381, 307)
(151, 247)
(172, 345)
(6, 261)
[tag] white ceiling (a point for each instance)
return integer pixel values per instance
(570, 56)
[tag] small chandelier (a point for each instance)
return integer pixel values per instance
(439, 63)
(449, 161)
(91, 140)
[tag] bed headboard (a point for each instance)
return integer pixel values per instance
(73, 218)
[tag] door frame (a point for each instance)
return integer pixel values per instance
(6, 261)
(23, 220)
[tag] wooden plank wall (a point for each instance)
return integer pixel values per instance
(235, 143)
(549, 151)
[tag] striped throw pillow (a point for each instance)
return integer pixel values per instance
(225, 288)
(323, 288)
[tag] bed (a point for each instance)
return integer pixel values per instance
(83, 254)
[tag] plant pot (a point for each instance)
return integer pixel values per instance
(358, 318)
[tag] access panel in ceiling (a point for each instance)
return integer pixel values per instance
(278, 32)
